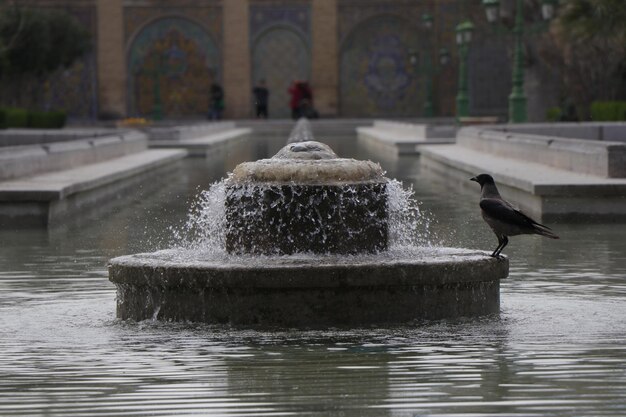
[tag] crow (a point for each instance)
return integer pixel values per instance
(504, 219)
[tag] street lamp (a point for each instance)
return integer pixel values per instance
(429, 69)
(463, 38)
(427, 23)
(444, 56)
(517, 98)
(548, 9)
(492, 10)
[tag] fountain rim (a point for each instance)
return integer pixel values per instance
(273, 272)
(308, 171)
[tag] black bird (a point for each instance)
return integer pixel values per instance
(504, 219)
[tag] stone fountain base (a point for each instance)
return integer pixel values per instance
(317, 292)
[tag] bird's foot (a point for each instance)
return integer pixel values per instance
(498, 256)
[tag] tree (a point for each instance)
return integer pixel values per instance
(594, 19)
(587, 44)
(35, 43)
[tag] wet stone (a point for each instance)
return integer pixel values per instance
(286, 219)
(306, 200)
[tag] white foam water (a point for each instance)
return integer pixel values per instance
(206, 227)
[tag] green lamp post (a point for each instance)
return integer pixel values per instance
(427, 23)
(427, 67)
(517, 98)
(463, 38)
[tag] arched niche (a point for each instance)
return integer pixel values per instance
(376, 76)
(172, 62)
(280, 55)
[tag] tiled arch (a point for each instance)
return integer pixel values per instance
(376, 78)
(280, 54)
(171, 60)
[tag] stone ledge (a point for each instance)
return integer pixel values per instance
(24, 137)
(598, 131)
(150, 269)
(594, 157)
(201, 146)
(180, 133)
(419, 131)
(404, 138)
(53, 198)
(542, 191)
(23, 161)
(61, 184)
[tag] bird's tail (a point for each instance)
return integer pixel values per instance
(542, 230)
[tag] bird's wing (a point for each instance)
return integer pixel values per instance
(502, 211)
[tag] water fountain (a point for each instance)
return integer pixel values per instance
(306, 239)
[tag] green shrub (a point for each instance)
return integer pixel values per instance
(46, 120)
(553, 114)
(16, 117)
(37, 119)
(3, 118)
(57, 119)
(608, 111)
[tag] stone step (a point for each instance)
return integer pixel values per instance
(45, 199)
(29, 160)
(204, 145)
(580, 151)
(540, 190)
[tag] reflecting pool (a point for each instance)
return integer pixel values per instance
(558, 348)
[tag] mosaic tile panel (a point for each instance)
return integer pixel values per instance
(172, 61)
(353, 13)
(376, 77)
(210, 17)
(489, 66)
(295, 16)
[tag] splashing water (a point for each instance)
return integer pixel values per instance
(206, 227)
(401, 224)
(409, 226)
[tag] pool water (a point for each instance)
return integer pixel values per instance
(558, 348)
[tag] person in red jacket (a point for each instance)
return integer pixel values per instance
(295, 92)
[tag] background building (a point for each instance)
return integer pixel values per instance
(161, 56)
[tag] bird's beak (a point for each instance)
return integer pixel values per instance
(474, 179)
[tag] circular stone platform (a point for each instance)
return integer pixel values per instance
(303, 291)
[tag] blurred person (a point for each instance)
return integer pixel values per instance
(261, 99)
(295, 93)
(306, 107)
(217, 102)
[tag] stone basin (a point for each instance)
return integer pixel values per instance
(307, 291)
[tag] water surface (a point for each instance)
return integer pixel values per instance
(557, 348)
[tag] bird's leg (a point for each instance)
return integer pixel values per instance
(505, 241)
(502, 242)
(495, 252)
